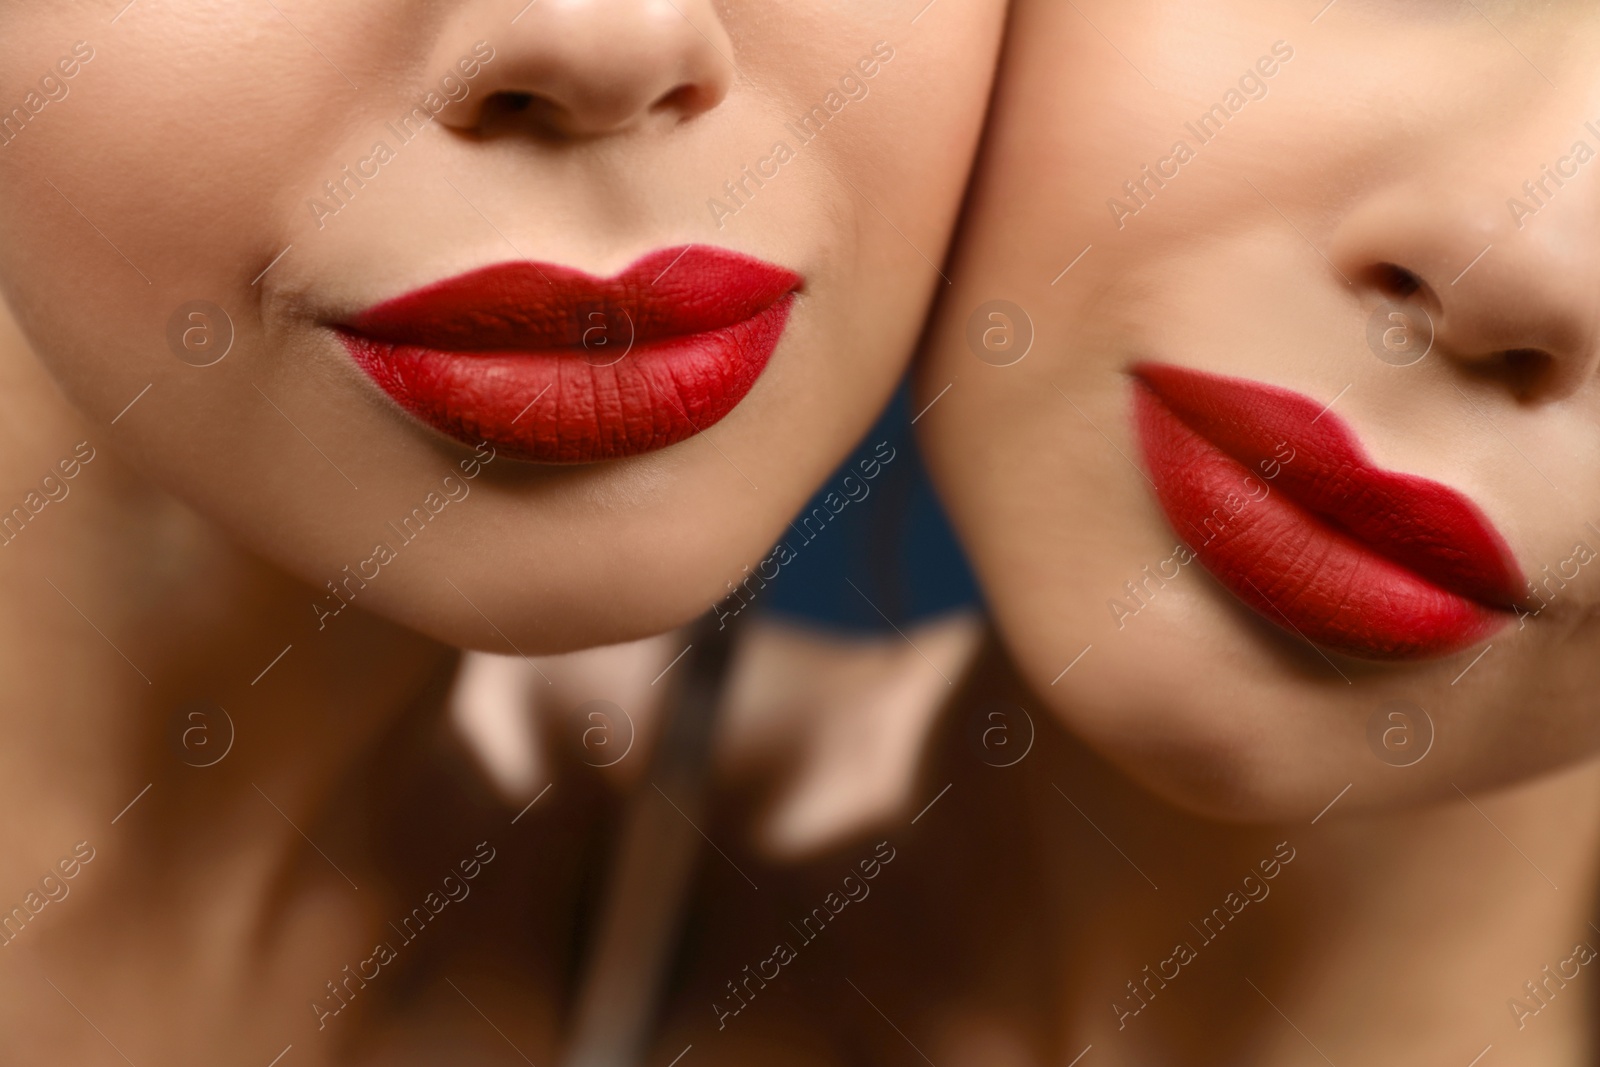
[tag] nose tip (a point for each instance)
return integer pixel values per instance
(1519, 305)
(592, 68)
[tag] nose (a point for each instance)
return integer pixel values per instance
(1511, 284)
(589, 68)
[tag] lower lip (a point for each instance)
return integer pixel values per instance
(1295, 567)
(565, 403)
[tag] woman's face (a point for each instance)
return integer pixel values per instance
(1297, 486)
(524, 323)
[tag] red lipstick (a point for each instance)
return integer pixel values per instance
(1279, 501)
(553, 365)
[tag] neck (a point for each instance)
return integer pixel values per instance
(1412, 937)
(124, 611)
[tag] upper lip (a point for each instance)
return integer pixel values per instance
(1426, 527)
(528, 306)
(554, 365)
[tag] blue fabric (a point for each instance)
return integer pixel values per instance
(886, 533)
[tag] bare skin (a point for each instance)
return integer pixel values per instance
(1237, 188)
(1020, 906)
(227, 889)
(1000, 858)
(206, 509)
(231, 889)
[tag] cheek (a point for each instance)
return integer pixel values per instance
(147, 192)
(152, 195)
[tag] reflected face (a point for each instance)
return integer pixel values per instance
(591, 292)
(1272, 425)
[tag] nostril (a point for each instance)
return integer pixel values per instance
(531, 112)
(1393, 280)
(686, 100)
(1526, 369)
(681, 97)
(1527, 372)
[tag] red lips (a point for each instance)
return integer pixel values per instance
(1280, 502)
(554, 365)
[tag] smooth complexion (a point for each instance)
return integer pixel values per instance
(223, 544)
(1241, 189)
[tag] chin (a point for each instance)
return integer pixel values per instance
(1203, 759)
(542, 629)
(506, 599)
(1227, 722)
(1214, 723)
